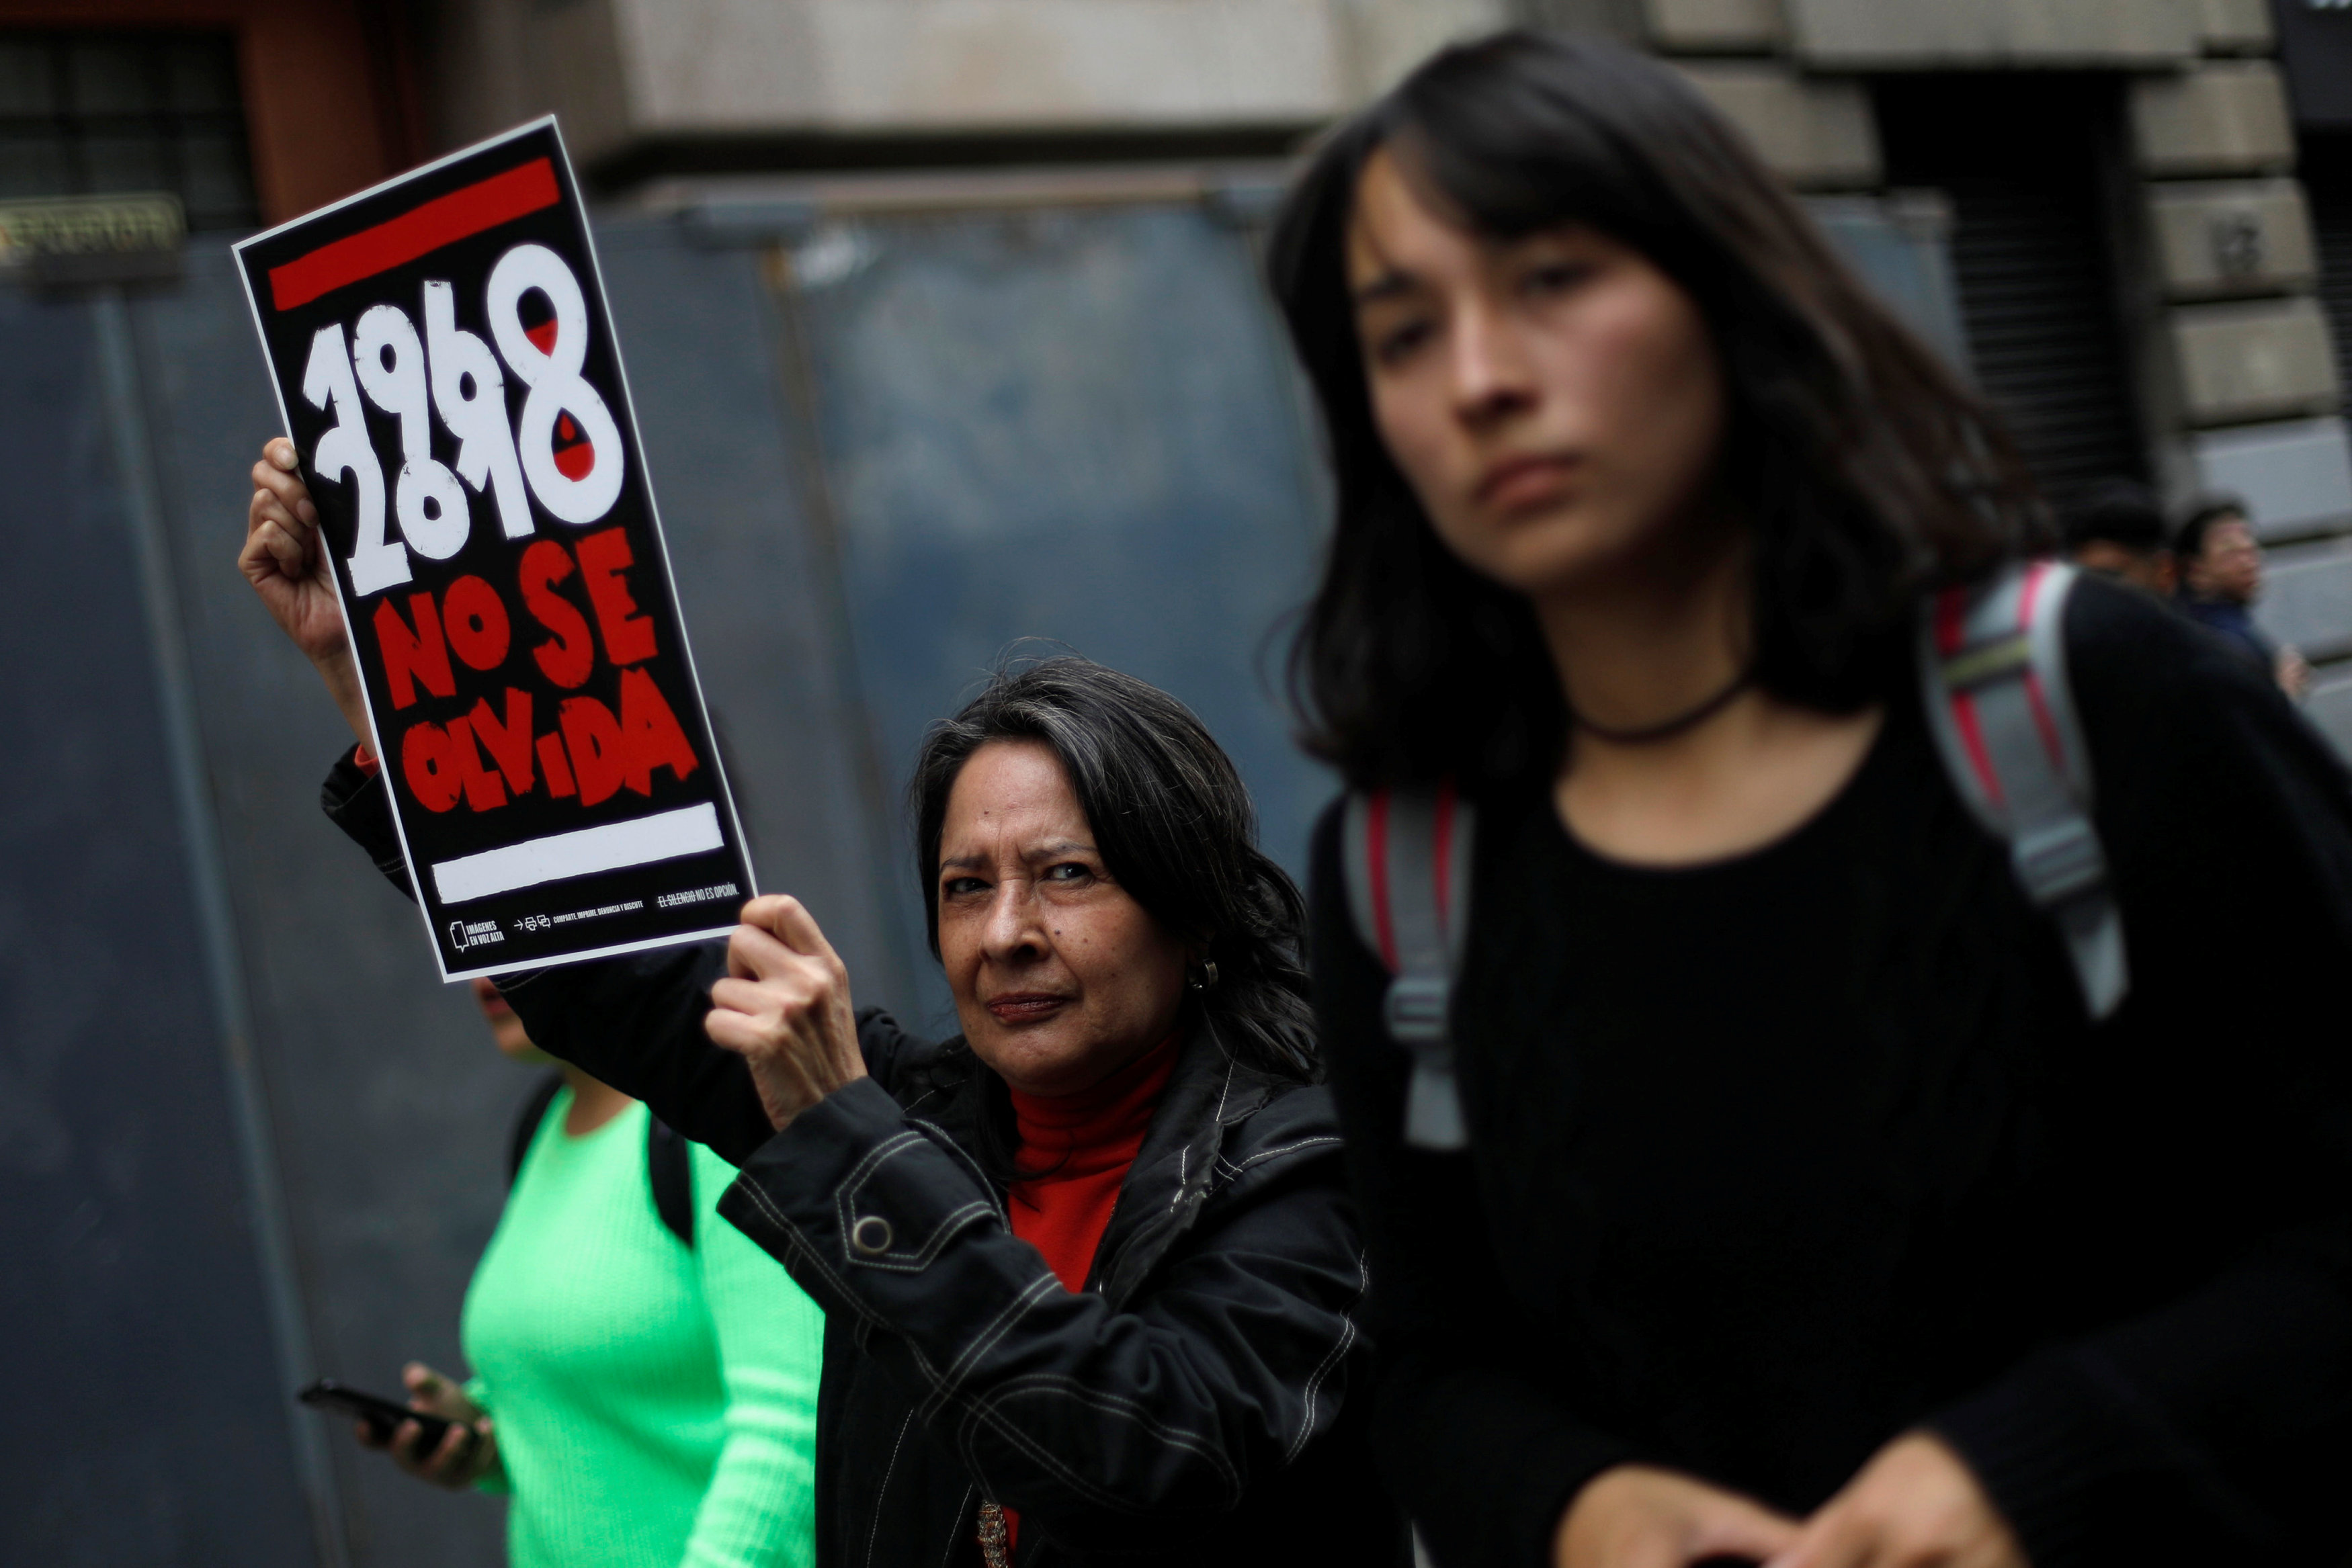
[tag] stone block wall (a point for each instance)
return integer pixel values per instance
(2217, 238)
(628, 72)
(2237, 387)
(1816, 132)
(2232, 378)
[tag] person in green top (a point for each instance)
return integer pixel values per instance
(644, 1402)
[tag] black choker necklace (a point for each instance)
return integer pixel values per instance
(1666, 729)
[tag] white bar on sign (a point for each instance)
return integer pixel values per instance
(689, 831)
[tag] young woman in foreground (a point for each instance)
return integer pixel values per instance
(1805, 1217)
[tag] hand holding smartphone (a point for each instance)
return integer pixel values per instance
(383, 1416)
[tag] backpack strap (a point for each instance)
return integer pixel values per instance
(670, 1172)
(1406, 856)
(668, 1169)
(1993, 672)
(528, 1116)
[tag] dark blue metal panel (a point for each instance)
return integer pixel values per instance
(152, 1428)
(387, 1103)
(757, 582)
(1068, 424)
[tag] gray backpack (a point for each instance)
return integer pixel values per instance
(1993, 679)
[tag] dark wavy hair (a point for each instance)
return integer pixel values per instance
(2189, 544)
(2119, 512)
(1867, 470)
(1174, 826)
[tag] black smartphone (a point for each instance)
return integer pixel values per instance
(383, 1416)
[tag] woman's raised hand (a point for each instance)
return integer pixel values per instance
(785, 1008)
(1637, 1516)
(285, 560)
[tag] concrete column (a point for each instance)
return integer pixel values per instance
(2236, 383)
(497, 62)
(1714, 27)
(2221, 117)
(2246, 376)
(1988, 35)
(625, 72)
(2244, 361)
(1382, 40)
(2254, 359)
(2234, 27)
(1815, 132)
(2218, 239)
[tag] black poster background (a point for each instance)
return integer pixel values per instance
(573, 917)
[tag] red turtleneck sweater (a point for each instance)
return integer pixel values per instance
(1081, 1144)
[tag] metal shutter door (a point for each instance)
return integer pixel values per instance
(2034, 294)
(2020, 159)
(2327, 180)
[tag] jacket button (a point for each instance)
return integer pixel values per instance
(871, 1235)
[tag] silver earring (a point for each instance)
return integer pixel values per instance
(1204, 978)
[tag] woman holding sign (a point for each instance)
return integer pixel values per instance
(1093, 1285)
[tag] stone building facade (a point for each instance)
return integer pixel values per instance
(2103, 200)
(2225, 139)
(2128, 250)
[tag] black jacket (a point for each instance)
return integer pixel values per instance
(1194, 1404)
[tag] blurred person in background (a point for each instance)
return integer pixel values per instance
(645, 1382)
(1813, 1209)
(2221, 579)
(2117, 528)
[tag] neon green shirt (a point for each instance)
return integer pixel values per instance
(655, 1405)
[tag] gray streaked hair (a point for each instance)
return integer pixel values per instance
(1172, 822)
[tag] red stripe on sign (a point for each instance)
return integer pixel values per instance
(444, 220)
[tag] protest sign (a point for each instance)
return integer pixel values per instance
(446, 368)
